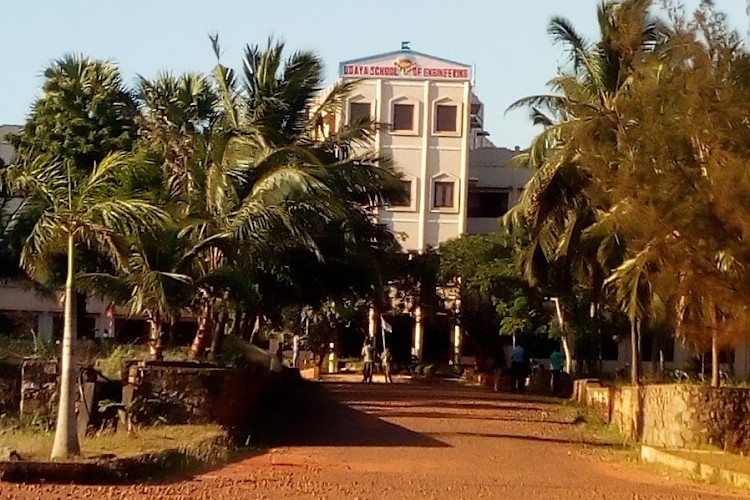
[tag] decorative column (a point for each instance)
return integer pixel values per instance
(372, 328)
(456, 338)
(417, 339)
(45, 327)
(456, 344)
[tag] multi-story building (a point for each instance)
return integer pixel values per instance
(458, 181)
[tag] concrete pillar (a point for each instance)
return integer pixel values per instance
(332, 359)
(456, 344)
(372, 328)
(417, 338)
(44, 326)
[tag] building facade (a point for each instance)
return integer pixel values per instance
(433, 131)
(425, 102)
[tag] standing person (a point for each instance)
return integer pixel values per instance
(498, 364)
(385, 359)
(295, 350)
(556, 366)
(518, 369)
(368, 359)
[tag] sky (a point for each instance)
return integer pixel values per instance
(504, 39)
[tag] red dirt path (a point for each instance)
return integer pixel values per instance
(405, 441)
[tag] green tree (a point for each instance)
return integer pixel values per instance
(84, 113)
(486, 268)
(562, 208)
(77, 212)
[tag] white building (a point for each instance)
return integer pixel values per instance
(425, 101)
(458, 181)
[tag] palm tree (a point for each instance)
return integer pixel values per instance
(564, 204)
(269, 169)
(92, 211)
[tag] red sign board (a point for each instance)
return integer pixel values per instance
(404, 67)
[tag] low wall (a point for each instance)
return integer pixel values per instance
(10, 387)
(676, 415)
(183, 394)
(39, 397)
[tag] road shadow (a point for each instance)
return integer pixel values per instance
(454, 406)
(417, 393)
(464, 416)
(311, 415)
(541, 439)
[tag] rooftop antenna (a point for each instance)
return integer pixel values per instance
(405, 45)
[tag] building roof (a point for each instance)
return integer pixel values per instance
(405, 64)
(496, 156)
(403, 52)
(7, 154)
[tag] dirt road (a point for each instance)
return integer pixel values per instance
(347, 440)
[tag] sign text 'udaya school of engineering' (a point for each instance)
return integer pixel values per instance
(403, 68)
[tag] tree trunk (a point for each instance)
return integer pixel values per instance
(715, 380)
(155, 344)
(256, 327)
(245, 331)
(66, 430)
(217, 341)
(635, 353)
(198, 347)
(237, 322)
(564, 339)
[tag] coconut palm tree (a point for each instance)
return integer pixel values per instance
(269, 167)
(563, 203)
(78, 212)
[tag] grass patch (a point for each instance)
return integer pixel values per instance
(716, 458)
(34, 444)
(594, 428)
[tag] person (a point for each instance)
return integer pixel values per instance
(280, 353)
(518, 369)
(295, 350)
(368, 359)
(385, 359)
(556, 366)
(498, 363)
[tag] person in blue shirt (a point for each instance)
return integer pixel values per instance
(556, 366)
(518, 369)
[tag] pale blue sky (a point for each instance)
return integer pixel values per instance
(505, 39)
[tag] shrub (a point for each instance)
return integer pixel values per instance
(429, 371)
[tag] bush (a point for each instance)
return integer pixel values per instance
(429, 371)
(111, 366)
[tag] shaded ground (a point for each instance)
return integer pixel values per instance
(347, 440)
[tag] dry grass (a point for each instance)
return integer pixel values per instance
(33, 444)
(719, 459)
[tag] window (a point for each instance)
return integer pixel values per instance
(487, 204)
(446, 118)
(443, 194)
(403, 117)
(406, 202)
(359, 111)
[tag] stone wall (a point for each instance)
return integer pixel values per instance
(625, 411)
(10, 387)
(682, 416)
(39, 379)
(677, 415)
(180, 393)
